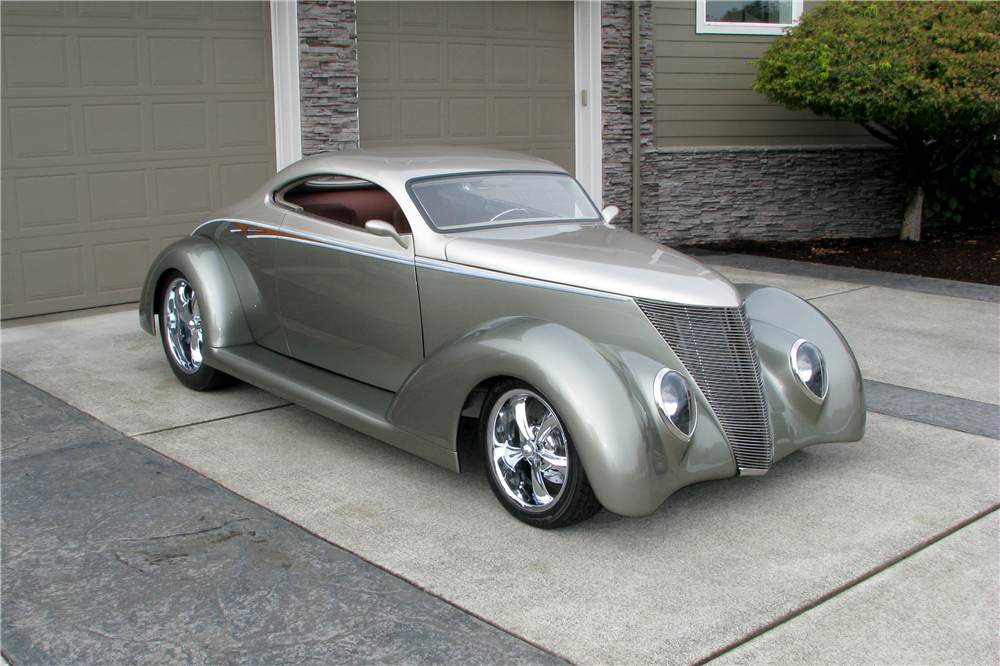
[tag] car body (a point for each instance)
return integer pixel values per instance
(398, 291)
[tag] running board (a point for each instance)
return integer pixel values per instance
(351, 403)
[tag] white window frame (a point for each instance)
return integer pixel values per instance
(733, 28)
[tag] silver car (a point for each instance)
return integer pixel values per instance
(418, 295)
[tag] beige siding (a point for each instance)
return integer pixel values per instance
(494, 74)
(124, 125)
(704, 93)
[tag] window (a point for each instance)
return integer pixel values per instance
(485, 200)
(747, 17)
(349, 201)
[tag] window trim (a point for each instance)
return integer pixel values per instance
(733, 28)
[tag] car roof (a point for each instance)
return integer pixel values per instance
(399, 165)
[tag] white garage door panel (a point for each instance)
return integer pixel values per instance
(497, 74)
(124, 125)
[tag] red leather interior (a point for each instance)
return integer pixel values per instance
(354, 207)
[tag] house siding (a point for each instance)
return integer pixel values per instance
(616, 109)
(709, 186)
(704, 92)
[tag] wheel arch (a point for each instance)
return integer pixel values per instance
(587, 389)
(201, 263)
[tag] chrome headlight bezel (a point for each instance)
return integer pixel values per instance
(802, 349)
(671, 411)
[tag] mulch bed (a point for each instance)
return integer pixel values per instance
(971, 256)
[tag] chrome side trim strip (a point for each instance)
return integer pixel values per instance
(230, 219)
(437, 265)
(433, 264)
(349, 249)
(309, 239)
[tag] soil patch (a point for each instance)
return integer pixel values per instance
(972, 256)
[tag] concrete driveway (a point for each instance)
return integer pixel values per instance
(878, 552)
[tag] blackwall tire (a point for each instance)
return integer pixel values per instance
(181, 335)
(531, 463)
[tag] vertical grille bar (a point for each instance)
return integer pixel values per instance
(716, 347)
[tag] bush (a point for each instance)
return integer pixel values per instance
(920, 76)
(967, 196)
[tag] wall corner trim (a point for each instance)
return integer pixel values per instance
(285, 66)
(587, 66)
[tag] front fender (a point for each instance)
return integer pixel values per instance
(778, 319)
(587, 389)
(198, 258)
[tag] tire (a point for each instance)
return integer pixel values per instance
(181, 335)
(531, 463)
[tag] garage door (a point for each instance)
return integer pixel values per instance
(497, 74)
(124, 125)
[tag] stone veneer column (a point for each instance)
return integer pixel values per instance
(328, 75)
(616, 75)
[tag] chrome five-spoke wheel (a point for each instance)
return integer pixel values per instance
(531, 463)
(182, 325)
(181, 334)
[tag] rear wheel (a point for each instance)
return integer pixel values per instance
(181, 334)
(531, 462)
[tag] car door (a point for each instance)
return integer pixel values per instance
(348, 299)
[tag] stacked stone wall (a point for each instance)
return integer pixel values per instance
(700, 195)
(776, 194)
(328, 75)
(616, 108)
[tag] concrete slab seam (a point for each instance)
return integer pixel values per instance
(847, 586)
(839, 293)
(937, 286)
(946, 411)
(206, 421)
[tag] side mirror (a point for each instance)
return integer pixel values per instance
(382, 228)
(610, 213)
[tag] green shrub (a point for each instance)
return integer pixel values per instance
(920, 76)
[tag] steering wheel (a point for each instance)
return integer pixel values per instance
(510, 210)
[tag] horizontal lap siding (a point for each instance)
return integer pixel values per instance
(704, 93)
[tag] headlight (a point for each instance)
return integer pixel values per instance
(676, 402)
(809, 368)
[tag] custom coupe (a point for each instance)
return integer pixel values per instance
(405, 292)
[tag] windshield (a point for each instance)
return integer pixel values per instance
(476, 201)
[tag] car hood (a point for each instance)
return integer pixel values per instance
(594, 257)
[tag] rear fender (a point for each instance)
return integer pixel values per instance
(588, 390)
(199, 260)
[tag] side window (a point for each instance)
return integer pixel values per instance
(747, 17)
(348, 201)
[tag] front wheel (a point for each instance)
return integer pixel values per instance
(531, 462)
(181, 334)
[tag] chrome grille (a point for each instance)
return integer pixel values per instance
(716, 347)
